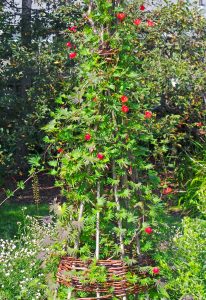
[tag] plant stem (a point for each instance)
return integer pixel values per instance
(18, 188)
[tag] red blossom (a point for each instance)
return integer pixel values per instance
(167, 191)
(121, 16)
(72, 55)
(124, 99)
(87, 137)
(100, 156)
(150, 23)
(137, 22)
(155, 270)
(69, 44)
(199, 124)
(130, 170)
(148, 230)
(60, 150)
(142, 7)
(147, 114)
(125, 109)
(73, 29)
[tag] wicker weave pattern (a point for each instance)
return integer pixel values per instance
(115, 269)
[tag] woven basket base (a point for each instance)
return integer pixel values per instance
(115, 269)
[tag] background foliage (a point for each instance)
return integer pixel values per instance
(32, 74)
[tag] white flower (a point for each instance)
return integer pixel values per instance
(174, 82)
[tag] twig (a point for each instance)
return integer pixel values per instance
(30, 177)
(35, 173)
(89, 19)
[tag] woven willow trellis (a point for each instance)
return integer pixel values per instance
(116, 284)
(116, 183)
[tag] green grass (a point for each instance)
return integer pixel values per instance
(12, 213)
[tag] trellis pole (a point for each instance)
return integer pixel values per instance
(97, 231)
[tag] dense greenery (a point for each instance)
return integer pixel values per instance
(184, 261)
(125, 143)
(32, 75)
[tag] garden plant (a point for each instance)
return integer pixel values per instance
(121, 132)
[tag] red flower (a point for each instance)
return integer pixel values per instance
(142, 7)
(124, 99)
(148, 230)
(147, 114)
(60, 150)
(73, 29)
(167, 191)
(155, 270)
(72, 55)
(69, 44)
(199, 124)
(121, 16)
(150, 23)
(95, 99)
(100, 156)
(130, 170)
(125, 109)
(87, 137)
(137, 22)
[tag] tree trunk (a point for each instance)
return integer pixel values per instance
(26, 35)
(26, 23)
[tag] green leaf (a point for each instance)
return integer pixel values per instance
(53, 163)
(21, 185)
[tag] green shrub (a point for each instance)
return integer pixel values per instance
(194, 198)
(184, 262)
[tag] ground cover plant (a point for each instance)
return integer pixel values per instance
(118, 145)
(23, 274)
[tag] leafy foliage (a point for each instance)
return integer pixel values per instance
(194, 197)
(183, 261)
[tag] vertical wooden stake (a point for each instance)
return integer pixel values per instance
(121, 240)
(81, 209)
(137, 244)
(97, 224)
(97, 232)
(118, 209)
(69, 296)
(55, 293)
